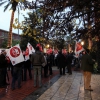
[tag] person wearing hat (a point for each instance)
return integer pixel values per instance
(87, 68)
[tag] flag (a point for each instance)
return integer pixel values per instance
(78, 49)
(30, 48)
(15, 55)
(49, 51)
(26, 54)
(40, 47)
(0, 51)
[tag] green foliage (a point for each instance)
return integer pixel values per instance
(50, 20)
(25, 39)
(32, 26)
(60, 44)
(4, 44)
(14, 42)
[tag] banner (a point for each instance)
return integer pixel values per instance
(40, 47)
(78, 49)
(30, 48)
(15, 55)
(26, 54)
(49, 51)
(0, 51)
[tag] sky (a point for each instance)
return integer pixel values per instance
(6, 16)
(5, 19)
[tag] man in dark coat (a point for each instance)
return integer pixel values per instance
(3, 69)
(27, 66)
(61, 61)
(45, 66)
(87, 67)
(69, 58)
(17, 75)
(50, 63)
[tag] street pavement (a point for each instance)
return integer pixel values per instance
(68, 87)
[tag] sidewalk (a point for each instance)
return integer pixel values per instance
(27, 88)
(69, 87)
(55, 87)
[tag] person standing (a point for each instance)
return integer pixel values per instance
(49, 63)
(45, 66)
(55, 59)
(87, 68)
(3, 69)
(17, 75)
(69, 62)
(27, 66)
(37, 59)
(61, 60)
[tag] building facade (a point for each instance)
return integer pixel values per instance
(4, 36)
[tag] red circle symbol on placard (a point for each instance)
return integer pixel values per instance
(27, 52)
(15, 52)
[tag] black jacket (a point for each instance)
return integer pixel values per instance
(3, 61)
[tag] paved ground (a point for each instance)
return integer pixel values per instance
(69, 87)
(55, 87)
(27, 88)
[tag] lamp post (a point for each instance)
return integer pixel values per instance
(18, 20)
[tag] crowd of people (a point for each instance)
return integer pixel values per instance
(38, 61)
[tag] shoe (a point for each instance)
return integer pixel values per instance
(7, 84)
(4, 86)
(35, 86)
(19, 87)
(40, 86)
(89, 89)
(70, 73)
(12, 89)
(45, 76)
(24, 80)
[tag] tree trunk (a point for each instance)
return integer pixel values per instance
(10, 30)
(98, 54)
(90, 43)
